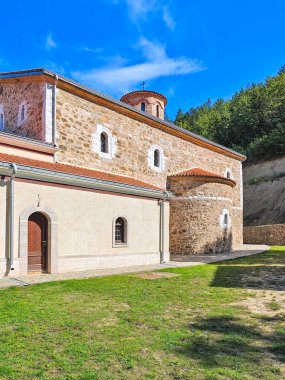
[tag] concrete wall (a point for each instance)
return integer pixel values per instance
(264, 193)
(270, 234)
(85, 227)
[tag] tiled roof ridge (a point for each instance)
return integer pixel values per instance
(142, 91)
(198, 172)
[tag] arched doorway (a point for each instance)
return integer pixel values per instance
(37, 243)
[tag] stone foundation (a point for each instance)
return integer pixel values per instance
(273, 234)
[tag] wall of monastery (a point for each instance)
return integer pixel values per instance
(78, 123)
(197, 212)
(31, 95)
(273, 234)
(136, 98)
(85, 227)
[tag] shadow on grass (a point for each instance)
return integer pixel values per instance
(250, 277)
(261, 271)
(227, 342)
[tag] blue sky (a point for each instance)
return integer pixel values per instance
(188, 50)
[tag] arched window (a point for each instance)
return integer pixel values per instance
(143, 106)
(23, 112)
(225, 219)
(229, 173)
(120, 231)
(157, 110)
(1, 121)
(104, 142)
(156, 158)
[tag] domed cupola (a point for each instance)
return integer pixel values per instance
(148, 101)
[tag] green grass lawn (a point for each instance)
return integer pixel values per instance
(218, 321)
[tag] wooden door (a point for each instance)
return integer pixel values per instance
(37, 243)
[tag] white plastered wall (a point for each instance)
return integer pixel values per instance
(84, 227)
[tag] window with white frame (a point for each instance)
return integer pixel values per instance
(22, 115)
(104, 143)
(225, 219)
(228, 173)
(2, 120)
(156, 159)
(143, 106)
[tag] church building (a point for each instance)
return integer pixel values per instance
(90, 182)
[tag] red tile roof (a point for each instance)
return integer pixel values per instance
(146, 93)
(76, 170)
(201, 173)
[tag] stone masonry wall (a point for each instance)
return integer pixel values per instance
(196, 217)
(273, 234)
(31, 94)
(135, 100)
(78, 121)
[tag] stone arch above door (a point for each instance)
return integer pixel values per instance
(52, 238)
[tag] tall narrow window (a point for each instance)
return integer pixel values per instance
(120, 231)
(143, 106)
(104, 142)
(23, 112)
(226, 220)
(156, 158)
(157, 110)
(1, 121)
(229, 173)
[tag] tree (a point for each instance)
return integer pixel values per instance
(251, 122)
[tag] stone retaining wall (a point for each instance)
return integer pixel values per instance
(273, 234)
(264, 190)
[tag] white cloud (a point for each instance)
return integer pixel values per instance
(50, 43)
(167, 18)
(122, 78)
(92, 50)
(140, 8)
(53, 66)
(151, 50)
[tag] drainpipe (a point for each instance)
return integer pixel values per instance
(54, 111)
(11, 218)
(162, 232)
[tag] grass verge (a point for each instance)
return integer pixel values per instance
(220, 321)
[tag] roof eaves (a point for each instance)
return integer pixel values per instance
(120, 103)
(60, 177)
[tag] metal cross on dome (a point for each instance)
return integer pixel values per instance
(143, 84)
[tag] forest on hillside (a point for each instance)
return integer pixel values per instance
(252, 122)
